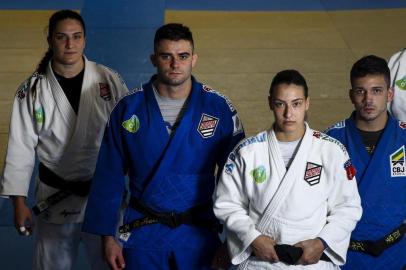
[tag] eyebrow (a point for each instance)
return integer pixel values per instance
(297, 99)
(168, 53)
(64, 33)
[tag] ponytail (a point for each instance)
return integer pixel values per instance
(42, 66)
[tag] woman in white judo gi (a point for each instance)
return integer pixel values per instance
(288, 196)
(397, 66)
(59, 114)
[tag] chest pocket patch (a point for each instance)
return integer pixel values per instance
(397, 162)
(313, 173)
(207, 125)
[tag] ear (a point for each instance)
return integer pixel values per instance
(270, 103)
(350, 95)
(194, 59)
(307, 103)
(391, 93)
(49, 42)
(153, 60)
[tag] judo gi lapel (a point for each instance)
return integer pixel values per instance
(174, 143)
(356, 149)
(62, 103)
(86, 104)
(289, 177)
(367, 165)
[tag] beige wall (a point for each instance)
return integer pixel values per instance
(239, 53)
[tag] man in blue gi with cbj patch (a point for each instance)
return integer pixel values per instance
(376, 144)
(168, 137)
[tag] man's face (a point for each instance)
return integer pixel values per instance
(67, 42)
(369, 95)
(174, 61)
(289, 106)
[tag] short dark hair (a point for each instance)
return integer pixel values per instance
(53, 22)
(370, 65)
(289, 76)
(173, 31)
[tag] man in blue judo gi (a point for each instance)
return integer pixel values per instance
(168, 137)
(376, 144)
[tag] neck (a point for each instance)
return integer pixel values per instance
(373, 125)
(174, 92)
(283, 136)
(68, 71)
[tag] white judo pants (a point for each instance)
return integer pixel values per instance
(56, 246)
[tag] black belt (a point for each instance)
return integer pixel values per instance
(375, 248)
(291, 254)
(67, 188)
(192, 216)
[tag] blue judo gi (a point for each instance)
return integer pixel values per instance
(166, 173)
(381, 179)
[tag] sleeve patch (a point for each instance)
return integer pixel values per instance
(238, 128)
(350, 169)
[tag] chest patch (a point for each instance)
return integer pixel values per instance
(259, 174)
(401, 83)
(39, 116)
(397, 162)
(105, 92)
(132, 125)
(313, 173)
(207, 125)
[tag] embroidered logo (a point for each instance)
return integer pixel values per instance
(207, 125)
(402, 125)
(66, 213)
(105, 92)
(401, 83)
(124, 236)
(350, 169)
(397, 162)
(132, 125)
(39, 115)
(316, 134)
(259, 174)
(313, 173)
(21, 93)
(238, 128)
(228, 168)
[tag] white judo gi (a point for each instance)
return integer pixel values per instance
(316, 197)
(43, 122)
(397, 66)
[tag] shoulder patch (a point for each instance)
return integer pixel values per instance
(350, 169)
(211, 90)
(25, 86)
(402, 125)
(338, 125)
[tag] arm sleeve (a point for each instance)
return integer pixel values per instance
(232, 208)
(106, 193)
(344, 210)
(234, 134)
(22, 142)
